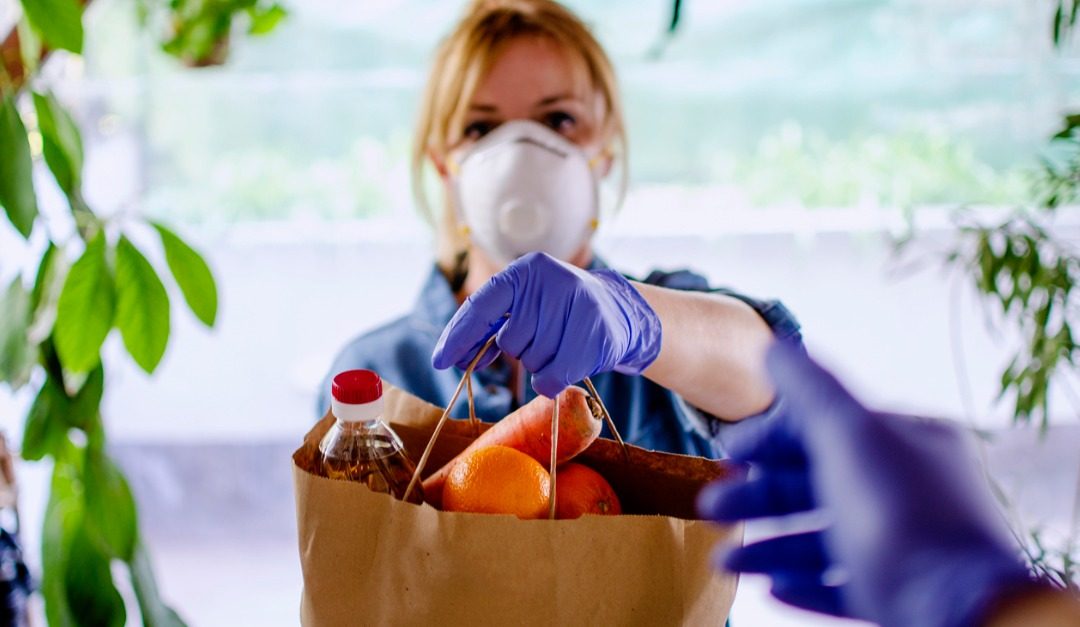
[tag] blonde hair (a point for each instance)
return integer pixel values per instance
(462, 60)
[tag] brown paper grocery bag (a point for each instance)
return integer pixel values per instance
(369, 559)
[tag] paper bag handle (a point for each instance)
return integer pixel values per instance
(442, 419)
(466, 381)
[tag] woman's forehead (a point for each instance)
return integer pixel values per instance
(529, 71)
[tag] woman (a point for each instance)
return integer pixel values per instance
(521, 118)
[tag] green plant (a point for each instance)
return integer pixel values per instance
(1043, 558)
(198, 31)
(1064, 19)
(55, 322)
(1027, 273)
(903, 167)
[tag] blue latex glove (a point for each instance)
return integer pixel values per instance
(911, 526)
(564, 323)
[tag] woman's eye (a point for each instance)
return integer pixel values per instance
(560, 122)
(476, 130)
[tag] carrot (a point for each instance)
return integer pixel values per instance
(582, 490)
(528, 429)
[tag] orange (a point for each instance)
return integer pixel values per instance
(582, 490)
(498, 480)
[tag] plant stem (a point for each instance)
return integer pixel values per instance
(963, 381)
(1074, 527)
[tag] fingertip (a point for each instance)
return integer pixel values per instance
(726, 556)
(528, 259)
(706, 499)
(745, 440)
(441, 357)
(547, 386)
(809, 389)
(713, 502)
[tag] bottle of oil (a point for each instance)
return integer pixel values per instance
(360, 446)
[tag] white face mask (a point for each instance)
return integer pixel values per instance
(524, 188)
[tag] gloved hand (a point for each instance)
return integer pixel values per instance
(910, 521)
(564, 323)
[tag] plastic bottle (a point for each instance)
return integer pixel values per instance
(360, 446)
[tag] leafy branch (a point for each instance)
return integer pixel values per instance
(55, 323)
(1026, 272)
(1040, 556)
(1064, 20)
(198, 31)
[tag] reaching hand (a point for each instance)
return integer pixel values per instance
(912, 533)
(562, 322)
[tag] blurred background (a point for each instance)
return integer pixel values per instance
(780, 147)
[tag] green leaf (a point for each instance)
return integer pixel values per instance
(63, 516)
(16, 167)
(47, 285)
(45, 429)
(51, 361)
(110, 508)
(1059, 15)
(986, 265)
(1038, 394)
(153, 609)
(76, 579)
(85, 310)
(1008, 378)
(1042, 314)
(29, 46)
(198, 36)
(264, 21)
(1065, 338)
(89, 584)
(82, 410)
(58, 21)
(142, 306)
(17, 353)
(192, 275)
(61, 142)
(46, 270)
(142, 13)
(54, 412)
(1072, 121)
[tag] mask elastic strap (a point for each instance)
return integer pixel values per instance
(453, 168)
(600, 156)
(605, 153)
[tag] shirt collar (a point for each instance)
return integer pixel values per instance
(436, 303)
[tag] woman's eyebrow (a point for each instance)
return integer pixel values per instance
(480, 107)
(550, 100)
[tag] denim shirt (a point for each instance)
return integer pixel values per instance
(646, 414)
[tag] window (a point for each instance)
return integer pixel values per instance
(794, 103)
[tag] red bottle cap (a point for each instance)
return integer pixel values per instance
(356, 387)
